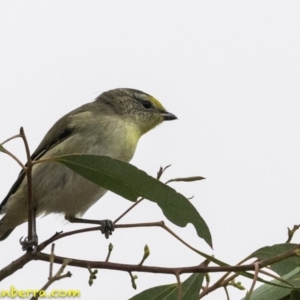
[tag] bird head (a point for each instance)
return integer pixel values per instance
(136, 107)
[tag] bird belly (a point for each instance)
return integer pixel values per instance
(63, 191)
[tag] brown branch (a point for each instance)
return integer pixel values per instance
(24, 259)
(279, 257)
(19, 263)
(15, 265)
(254, 279)
(179, 286)
(51, 261)
(30, 205)
(128, 210)
(56, 277)
(153, 224)
(11, 138)
(59, 235)
(264, 263)
(226, 292)
(10, 154)
(140, 268)
(224, 281)
(274, 277)
(291, 233)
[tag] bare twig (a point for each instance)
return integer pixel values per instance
(226, 292)
(93, 275)
(274, 277)
(291, 233)
(128, 210)
(31, 207)
(4, 150)
(133, 278)
(179, 286)
(11, 138)
(51, 261)
(110, 249)
(56, 277)
(254, 279)
(161, 171)
(141, 268)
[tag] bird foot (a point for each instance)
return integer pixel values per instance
(29, 244)
(107, 227)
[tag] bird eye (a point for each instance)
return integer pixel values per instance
(147, 104)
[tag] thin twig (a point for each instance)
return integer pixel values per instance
(128, 210)
(93, 275)
(161, 171)
(179, 286)
(291, 233)
(14, 158)
(110, 249)
(11, 138)
(151, 224)
(274, 277)
(51, 261)
(30, 206)
(56, 277)
(133, 278)
(254, 278)
(226, 292)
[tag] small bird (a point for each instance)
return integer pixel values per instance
(111, 126)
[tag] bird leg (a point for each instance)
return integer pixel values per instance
(32, 242)
(107, 226)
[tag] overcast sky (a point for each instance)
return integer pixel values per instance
(230, 71)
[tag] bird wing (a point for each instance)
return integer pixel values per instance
(60, 131)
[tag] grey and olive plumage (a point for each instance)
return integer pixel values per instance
(110, 126)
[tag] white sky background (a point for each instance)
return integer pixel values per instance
(230, 71)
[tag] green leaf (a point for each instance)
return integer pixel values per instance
(288, 270)
(129, 182)
(283, 267)
(190, 290)
(295, 295)
(186, 179)
(267, 291)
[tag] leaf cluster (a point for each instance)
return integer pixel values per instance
(279, 262)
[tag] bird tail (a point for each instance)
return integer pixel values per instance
(6, 228)
(5, 233)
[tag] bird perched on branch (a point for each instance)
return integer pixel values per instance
(109, 126)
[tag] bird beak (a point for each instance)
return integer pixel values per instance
(168, 116)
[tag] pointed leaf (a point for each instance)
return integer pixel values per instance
(129, 182)
(295, 295)
(190, 290)
(186, 179)
(267, 291)
(283, 267)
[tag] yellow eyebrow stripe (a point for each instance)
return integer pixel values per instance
(156, 103)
